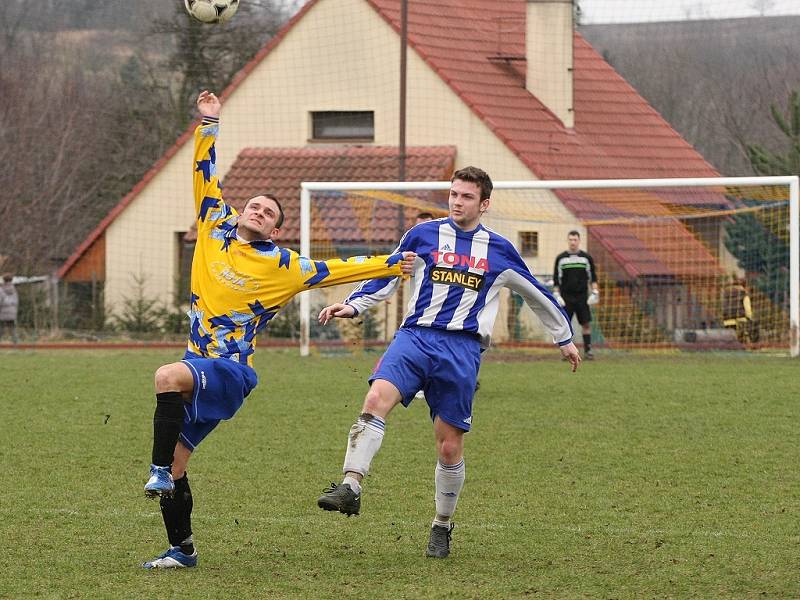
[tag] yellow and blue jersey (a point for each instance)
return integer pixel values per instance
(238, 286)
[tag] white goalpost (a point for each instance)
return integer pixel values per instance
(698, 225)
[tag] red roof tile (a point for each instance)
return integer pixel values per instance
(617, 134)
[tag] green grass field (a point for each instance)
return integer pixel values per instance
(649, 477)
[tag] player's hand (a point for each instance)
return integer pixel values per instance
(559, 299)
(407, 265)
(208, 104)
(338, 310)
(594, 298)
(570, 352)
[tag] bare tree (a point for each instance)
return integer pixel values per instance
(75, 136)
(762, 7)
(711, 80)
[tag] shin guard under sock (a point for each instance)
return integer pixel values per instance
(167, 424)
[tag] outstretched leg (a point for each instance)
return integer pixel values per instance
(363, 443)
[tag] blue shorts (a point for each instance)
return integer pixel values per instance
(220, 387)
(444, 364)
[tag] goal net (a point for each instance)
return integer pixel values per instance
(691, 264)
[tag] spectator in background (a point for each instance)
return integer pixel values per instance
(737, 312)
(9, 303)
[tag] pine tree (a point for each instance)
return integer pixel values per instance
(765, 162)
(763, 255)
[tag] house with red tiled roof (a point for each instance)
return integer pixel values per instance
(508, 86)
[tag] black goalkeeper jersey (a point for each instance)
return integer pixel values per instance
(573, 272)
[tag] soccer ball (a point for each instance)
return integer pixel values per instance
(212, 11)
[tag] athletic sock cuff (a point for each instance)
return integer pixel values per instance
(456, 467)
(377, 424)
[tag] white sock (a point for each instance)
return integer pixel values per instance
(354, 484)
(363, 444)
(449, 481)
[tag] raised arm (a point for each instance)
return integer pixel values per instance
(208, 202)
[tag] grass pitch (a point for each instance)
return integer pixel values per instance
(671, 476)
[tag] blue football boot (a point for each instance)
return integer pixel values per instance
(172, 559)
(160, 482)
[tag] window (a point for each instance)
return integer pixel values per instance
(529, 243)
(334, 125)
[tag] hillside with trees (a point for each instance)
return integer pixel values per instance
(91, 95)
(713, 81)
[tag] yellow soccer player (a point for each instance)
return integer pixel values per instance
(240, 280)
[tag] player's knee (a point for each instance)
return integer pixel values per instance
(450, 451)
(167, 379)
(374, 404)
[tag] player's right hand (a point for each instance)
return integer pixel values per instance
(559, 299)
(208, 104)
(338, 310)
(407, 265)
(570, 352)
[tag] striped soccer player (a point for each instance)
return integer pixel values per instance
(240, 280)
(460, 268)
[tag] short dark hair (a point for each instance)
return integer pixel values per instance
(574, 232)
(7, 277)
(272, 197)
(425, 215)
(477, 176)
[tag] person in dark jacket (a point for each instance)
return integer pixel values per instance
(574, 274)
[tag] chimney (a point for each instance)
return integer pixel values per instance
(548, 52)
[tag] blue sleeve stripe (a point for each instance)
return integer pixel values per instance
(368, 288)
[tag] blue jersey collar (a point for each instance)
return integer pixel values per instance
(457, 228)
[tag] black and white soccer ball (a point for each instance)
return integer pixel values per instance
(212, 11)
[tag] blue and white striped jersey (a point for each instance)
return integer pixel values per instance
(457, 279)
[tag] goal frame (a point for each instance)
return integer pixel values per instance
(792, 181)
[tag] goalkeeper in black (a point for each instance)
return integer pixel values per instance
(573, 275)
